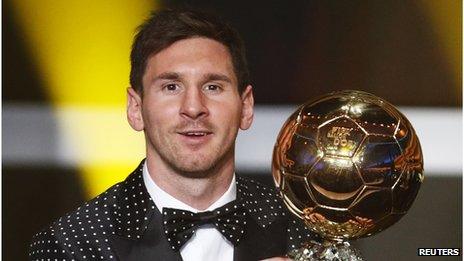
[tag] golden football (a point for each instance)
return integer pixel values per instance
(348, 163)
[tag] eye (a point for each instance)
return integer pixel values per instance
(214, 88)
(171, 88)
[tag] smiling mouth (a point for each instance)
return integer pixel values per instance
(196, 133)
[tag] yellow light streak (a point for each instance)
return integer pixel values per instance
(99, 140)
(446, 18)
(81, 48)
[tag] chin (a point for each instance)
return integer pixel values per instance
(199, 167)
(196, 171)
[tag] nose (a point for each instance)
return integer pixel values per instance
(193, 104)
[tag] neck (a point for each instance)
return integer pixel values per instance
(197, 192)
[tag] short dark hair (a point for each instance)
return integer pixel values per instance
(165, 27)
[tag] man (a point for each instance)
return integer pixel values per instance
(190, 94)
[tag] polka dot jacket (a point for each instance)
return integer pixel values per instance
(123, 224)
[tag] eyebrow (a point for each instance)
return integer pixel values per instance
(167, 76)
(216, 77)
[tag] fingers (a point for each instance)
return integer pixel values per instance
(278, 258)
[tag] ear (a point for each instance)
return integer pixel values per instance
(134, 109)
(247, 108)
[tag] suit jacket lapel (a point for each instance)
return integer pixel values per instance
(139, 234)
(152, 246)
(266, 223)
(262, 242)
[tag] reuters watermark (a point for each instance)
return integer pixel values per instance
(424, 251)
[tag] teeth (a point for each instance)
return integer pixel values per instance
(196, 134)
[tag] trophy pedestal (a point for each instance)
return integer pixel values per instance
(326, 251)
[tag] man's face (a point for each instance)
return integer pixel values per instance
(191, 108)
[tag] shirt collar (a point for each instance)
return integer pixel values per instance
(162, 199)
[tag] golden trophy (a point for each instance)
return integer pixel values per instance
(348, 164)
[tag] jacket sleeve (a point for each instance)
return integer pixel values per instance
(46, 245)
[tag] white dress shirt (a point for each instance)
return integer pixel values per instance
(207, 243)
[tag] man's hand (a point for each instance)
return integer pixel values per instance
(279, 258)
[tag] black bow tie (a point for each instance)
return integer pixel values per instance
(180, 225)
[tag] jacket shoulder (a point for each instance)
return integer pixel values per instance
(47, 244)
(89, 221)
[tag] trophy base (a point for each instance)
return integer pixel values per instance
(326, 251)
